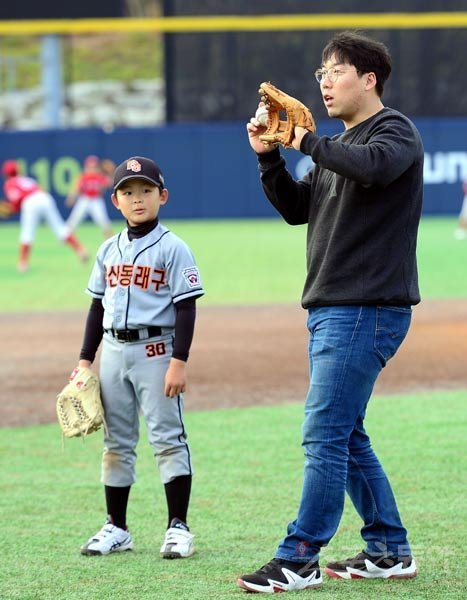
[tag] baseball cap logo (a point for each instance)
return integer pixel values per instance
(133, 165)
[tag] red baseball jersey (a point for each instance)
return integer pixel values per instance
(92, 184)
(18, 188)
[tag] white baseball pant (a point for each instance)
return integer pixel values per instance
(37, 207)
(83, 207)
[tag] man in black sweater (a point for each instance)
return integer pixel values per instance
(362, 203)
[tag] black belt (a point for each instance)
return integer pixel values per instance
(134, 335)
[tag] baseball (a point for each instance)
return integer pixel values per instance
(262, 115)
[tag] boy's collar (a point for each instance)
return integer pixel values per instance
(141, 230)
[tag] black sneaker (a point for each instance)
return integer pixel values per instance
(282, 576)
(365, 566)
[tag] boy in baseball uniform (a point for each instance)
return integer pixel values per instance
(144, 287)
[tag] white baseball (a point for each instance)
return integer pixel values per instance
(262, 115)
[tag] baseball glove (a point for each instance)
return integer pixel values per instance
(5, 209)
(107, 166)
(79, 406)
(296, 113)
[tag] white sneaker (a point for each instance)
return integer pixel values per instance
(178, 541)
(460, 234)
(108, 539)
(22, 266)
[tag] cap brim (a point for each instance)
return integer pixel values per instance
(135, 176)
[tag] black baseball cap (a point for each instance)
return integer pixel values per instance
(138, 167)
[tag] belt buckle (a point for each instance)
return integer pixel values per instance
(122, 335)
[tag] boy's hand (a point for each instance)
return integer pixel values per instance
(175, 378)
(79, 406)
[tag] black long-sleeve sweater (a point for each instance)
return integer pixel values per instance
(362, 202)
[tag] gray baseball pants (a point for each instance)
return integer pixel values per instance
(132, 383)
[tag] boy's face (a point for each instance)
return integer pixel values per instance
(139, 201)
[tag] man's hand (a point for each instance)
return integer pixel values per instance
(299, 133)
(255, 129)
(278, 105)
(175, 378)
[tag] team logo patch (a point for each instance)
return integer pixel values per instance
(133, 165)
(192, 276)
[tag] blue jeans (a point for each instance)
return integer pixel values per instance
(349, 345)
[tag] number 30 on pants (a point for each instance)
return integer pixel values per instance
(157, 349)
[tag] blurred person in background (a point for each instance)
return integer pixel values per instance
(87, 197)
(35, 205)
(461, 231)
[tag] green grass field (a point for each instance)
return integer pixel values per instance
(248, 478)
(241, 262)
(246, 489)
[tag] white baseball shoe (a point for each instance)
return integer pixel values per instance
(178, 541)
(23, 266)
(108, 539)
(83, 255)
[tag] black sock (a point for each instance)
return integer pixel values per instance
(177, 493)
(117, 499)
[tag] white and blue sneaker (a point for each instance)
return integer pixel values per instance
(282, 576)
(178, 541)
(109, 539)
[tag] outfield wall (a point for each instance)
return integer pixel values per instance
(210, 169)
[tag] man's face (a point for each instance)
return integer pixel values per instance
(343, 89)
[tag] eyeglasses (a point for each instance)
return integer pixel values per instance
(331, 74)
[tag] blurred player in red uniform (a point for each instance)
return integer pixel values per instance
(35, 205)
(461, 231)
(87, 197)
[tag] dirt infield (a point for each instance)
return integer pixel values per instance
(241, 356)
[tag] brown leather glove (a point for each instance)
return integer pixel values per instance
(297, 115)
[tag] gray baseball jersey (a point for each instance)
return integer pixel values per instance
(140, 280)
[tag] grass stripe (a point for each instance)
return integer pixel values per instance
(248, 465)
(242, 262)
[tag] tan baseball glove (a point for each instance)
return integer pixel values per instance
(6, 210)
(297, 114)
(79, 406)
